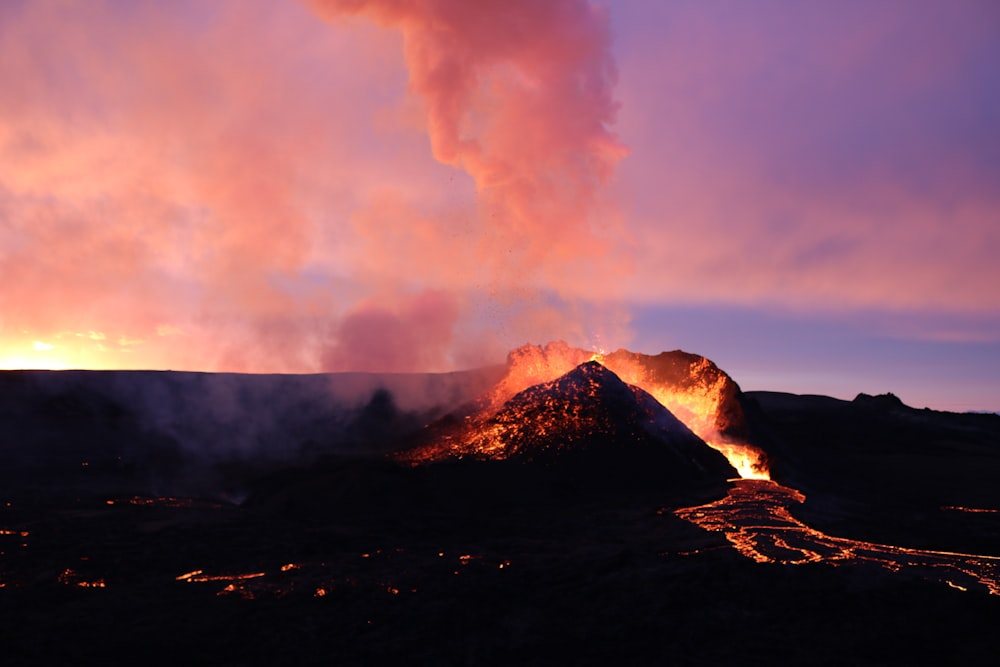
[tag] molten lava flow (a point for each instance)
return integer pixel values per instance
(756, 519)
(199, 576)
(748, 460)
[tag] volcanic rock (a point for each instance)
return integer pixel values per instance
(883, 402)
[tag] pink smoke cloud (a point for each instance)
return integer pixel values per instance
(518, 94)
(414, 336)
(194, 168)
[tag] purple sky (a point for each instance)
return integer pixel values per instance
(806, 193)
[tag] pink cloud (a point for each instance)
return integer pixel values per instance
(271, 184)
(252, 175)
(812, 157)
(178, 166)
(520, 96)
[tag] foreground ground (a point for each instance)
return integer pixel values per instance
(613, 579)
(271, 553)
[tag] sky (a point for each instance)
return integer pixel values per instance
(806, 193)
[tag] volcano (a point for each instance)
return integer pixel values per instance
(587, 417)
(692, 387)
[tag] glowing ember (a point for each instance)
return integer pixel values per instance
(969, 510)
(198, 576)
(70, 577)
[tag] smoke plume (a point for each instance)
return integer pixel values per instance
(518, 94)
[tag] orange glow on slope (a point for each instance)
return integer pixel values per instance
(697, 404)
(698, 407)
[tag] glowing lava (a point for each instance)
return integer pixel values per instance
(756, 519)
(748, 460)
(70, 577)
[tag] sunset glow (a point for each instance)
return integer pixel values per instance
(78, 350)
(46, 356)
(805, 193)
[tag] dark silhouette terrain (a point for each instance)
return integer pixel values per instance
(258, 519)
(72, 433)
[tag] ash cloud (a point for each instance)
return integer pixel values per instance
(518, 94)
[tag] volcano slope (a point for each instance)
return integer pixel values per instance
(588, 413)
